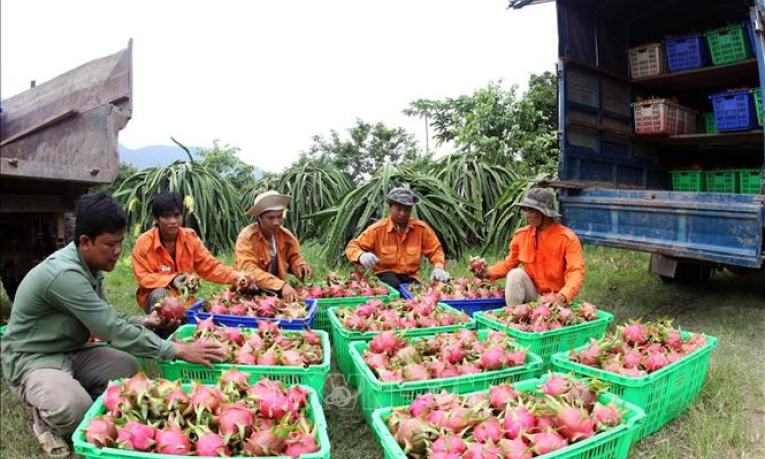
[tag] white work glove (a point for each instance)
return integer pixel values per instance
(440, 275)
(178, 281)
(368, 259)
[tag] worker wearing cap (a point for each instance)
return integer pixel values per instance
(545, 257)
(393, 246)
(269, 250)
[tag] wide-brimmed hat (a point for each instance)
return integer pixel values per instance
(403, 196)
(540, 199)
(269, 200)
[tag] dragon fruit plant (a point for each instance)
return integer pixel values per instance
(503, 423)
(231, 418)
(445, 355)
(458, 289)
(543, 315)
(265, 345)
(337, 287)
(637, 349)
(376, 315)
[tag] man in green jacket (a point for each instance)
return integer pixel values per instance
(47, 357)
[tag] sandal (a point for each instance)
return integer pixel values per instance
(53, 445)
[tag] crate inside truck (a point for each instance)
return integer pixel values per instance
(661, 132)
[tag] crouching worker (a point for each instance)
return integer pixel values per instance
(269, 250)
(393, 246)
(164, 255)
(47, 358)
(545, 257)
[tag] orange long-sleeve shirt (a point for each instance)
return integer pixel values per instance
(398, 252)
(153, 267)
(253, 255)
(552, 258)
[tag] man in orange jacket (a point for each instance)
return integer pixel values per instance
(164, 255)
(269, 250)
(393, 246)
(545, 257)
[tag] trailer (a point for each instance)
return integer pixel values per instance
(58, 139)
(672, 190)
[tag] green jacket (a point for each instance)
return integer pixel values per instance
(57, 306)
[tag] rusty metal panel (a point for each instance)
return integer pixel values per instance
(66, 129)
(717, 228)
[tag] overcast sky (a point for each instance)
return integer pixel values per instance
(267, 75)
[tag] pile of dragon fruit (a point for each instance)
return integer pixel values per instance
(458, 289)
(337, 287)
(637, 349)
(445, 355)
(241, 303)
(543, 315)
(505, 424)
(266, 345)
(376, 315)
(232, 418)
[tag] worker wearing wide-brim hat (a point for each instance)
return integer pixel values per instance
(268, 249)
(393, 246)
(545, 257)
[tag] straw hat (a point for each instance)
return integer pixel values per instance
(269, 200)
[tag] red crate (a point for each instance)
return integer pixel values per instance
(661, 116)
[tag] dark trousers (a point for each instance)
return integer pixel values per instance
(395, 280)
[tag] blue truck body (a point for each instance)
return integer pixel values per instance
(615, 186)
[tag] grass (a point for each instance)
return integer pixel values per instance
(726, 422)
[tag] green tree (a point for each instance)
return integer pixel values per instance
(498, 125)
(367, 148)
(224, 160)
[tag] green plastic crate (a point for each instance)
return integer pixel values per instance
(90, 451)
(374, 394)
(321, 320)
(342, 338)
(728, 45)
(750, 181)
(313, 376)
(611, 444)
(722, 181)
(688, 180)
(545, 344)
(663, 395)
(710, 124)
(757, 95)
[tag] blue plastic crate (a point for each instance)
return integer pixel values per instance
(686, 52)
(469, 307)
(193, 316)
(734, 110)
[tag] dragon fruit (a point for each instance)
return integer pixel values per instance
(101, 431)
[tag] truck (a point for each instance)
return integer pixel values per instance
(58, 140)
(618, 187)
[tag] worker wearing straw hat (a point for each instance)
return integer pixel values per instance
(545, 257)
(268, 249)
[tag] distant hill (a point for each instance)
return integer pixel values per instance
(159, 155)
(153, 155)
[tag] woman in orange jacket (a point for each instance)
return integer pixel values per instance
(164, 255)
(545, 257)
